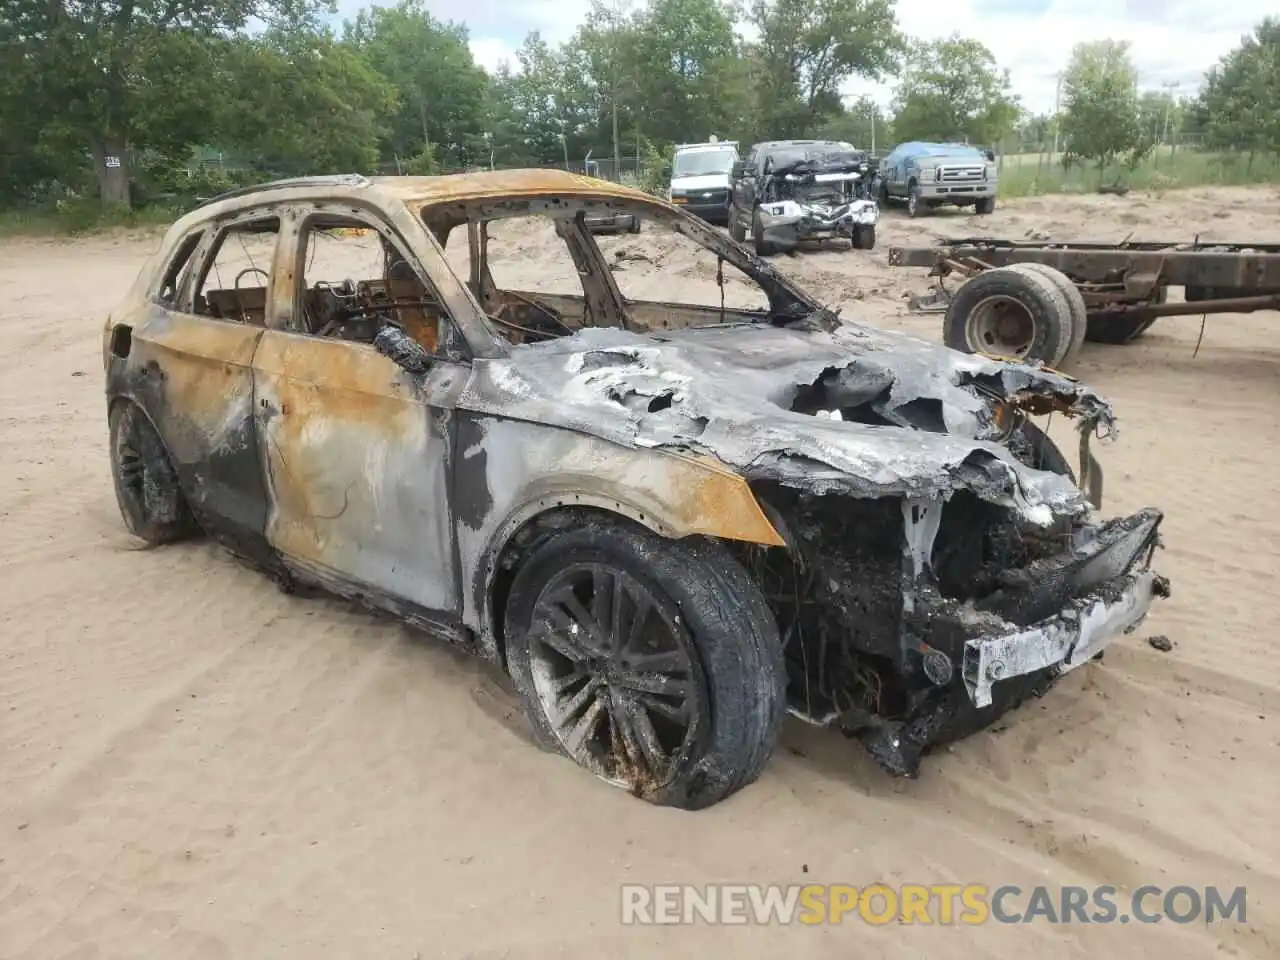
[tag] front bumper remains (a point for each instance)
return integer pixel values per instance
(789, 221)
(1076, 635)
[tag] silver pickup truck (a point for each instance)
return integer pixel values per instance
(926, 175)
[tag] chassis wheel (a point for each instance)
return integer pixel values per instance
(864, 236)
(1075, 301)
(653, 663)
(1009, 312)
(1122, 329)
(146, 483)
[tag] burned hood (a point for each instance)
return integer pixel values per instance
(911, 418)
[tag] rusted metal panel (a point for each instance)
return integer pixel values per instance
(1228, 265)
(510, 471)
(357, 457)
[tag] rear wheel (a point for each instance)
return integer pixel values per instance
(1009, 312)
(147, 488)
(1075, 301)
(655, 664)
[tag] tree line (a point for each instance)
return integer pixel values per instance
(113, 96)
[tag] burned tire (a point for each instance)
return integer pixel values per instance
(864, 236)
(1079, 312)
(147, 489)
(1116, 330)
(655, 664)
(1009, 312)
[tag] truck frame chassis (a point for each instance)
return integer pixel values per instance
(1117, 290)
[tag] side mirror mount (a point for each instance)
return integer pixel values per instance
(402, 350)
(739, 170)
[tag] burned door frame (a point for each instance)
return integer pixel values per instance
(357, 452)
(601, 306)
(192, 375)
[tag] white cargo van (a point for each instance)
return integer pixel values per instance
(700, 178)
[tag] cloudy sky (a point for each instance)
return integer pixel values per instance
(1172, 40)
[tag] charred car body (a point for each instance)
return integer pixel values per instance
(788, 192)
(671, 524)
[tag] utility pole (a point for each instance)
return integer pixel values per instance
(1169, 87)
(1057, 115)
(617, 10)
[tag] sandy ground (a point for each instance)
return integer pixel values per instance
(195, 765)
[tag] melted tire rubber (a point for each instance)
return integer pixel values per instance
(733, 633)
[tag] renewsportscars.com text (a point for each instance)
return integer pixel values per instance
(943, 904)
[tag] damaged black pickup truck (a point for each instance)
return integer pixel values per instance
(671, 524)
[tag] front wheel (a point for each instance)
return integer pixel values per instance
(984, 206)
(914, 205)
(736, 230)
(655, 664)
(763, 247)
(864, 236)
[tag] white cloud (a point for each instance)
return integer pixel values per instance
(1172, 40)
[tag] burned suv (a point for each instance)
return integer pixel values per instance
(671, 524)
(788, 192)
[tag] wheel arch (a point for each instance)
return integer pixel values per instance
(714, 502)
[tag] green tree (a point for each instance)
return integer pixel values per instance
(1100, 121)
(326, 112)
(807, 48)
(952, 89)
(862, 123)
(442, 92)
(541, 112)
(1239, 103)
(118, 76)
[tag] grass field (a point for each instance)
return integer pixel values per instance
(1031, 174)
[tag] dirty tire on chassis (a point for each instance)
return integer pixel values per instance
(1118, 330)
(1010, 312)
(1075, 301)
(736, 230)
(864, 236)
(147, 488)
(653, 663)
